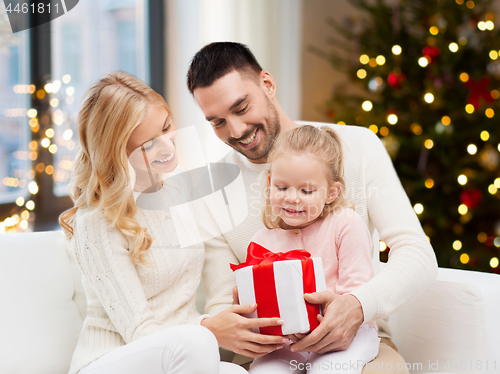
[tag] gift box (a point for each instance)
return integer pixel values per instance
(277, 282)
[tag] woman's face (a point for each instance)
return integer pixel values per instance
(151, 147)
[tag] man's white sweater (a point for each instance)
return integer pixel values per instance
(374, 188)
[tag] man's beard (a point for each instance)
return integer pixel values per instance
(271, 133)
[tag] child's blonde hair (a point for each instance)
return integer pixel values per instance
(321, 142)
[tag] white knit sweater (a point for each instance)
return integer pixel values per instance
(379, 198)
(128, 301)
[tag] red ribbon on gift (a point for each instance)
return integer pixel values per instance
(261, 260)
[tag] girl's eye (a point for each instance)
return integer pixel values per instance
(307, 192)
(242, 110)
(281, 188)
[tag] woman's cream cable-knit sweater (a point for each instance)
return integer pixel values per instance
(128, 301)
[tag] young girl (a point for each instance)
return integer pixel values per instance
(140, 285)
(305, 208)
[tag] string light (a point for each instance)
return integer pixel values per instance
(464, 77)
(429, 98)
(367, 105)
(446, 120)
(429, 183)
(462, 179)
(485, 135)
(392, 119)
(423, 62)
(464, 258)
(489, 113)
(396, 49)
(472, 149)
(428, 144)
(453, 47)
(380, 60)
(493, 55)
(418, 208)
(457, 245)
(361, 73)
(492, 189)
(384, 131)
(66, 78)
(374, 128)
(494, 262)
(364, 59)
(462, 209)
(434, 30)
(30, 205)
(469, 108)
(481, 25)
(383, 246)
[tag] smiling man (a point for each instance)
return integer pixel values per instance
(238, 98)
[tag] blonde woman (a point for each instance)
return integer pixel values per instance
(140, 285)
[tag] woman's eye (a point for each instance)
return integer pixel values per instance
(166, 128)
(148, 145)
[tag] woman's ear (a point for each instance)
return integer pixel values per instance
(333, 193)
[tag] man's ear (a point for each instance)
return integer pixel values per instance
(268, 83)
(333, 193)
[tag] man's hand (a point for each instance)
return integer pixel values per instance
(234, 331)
(342, 317)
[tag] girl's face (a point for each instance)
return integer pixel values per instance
(151, 147)
(300, 189)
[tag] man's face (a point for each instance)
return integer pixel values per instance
(241, 113)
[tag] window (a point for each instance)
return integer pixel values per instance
(96, 37)
(44, 74)
(15, 168)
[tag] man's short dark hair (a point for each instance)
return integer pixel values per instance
(217, 59)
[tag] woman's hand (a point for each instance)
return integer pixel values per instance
(234, 331)
(342, 317)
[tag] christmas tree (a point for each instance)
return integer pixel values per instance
(425, 77)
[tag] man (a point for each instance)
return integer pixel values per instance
(238, 98)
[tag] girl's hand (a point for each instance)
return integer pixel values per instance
(234, 331)
(296, 337)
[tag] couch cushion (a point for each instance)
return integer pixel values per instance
(40, 321)
(453, 326)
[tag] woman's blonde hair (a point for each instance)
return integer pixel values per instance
(321, 142)
(112, 108)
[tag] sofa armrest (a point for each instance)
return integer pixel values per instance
(453, 325)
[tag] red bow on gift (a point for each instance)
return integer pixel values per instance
(257, 254)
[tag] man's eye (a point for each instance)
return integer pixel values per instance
(217, 123)
(242, 110)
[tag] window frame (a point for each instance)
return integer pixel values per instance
(48, 206)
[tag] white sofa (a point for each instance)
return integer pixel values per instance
(452, 327)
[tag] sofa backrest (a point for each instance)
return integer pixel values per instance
(39, 316)
(452, 326)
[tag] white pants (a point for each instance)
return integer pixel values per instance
(362, 350)
(188, 349)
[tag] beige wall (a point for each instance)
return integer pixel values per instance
(318, 75)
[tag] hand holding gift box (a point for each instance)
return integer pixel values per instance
(277, 282)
